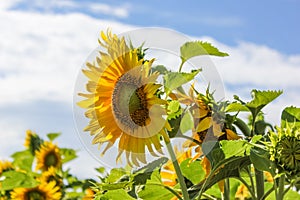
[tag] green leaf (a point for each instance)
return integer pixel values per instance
(114, 186)
(261, 99)
(23, 160)
(235, 148)
(175, 124)
(198, 48)
(261, 160)
(236, 107)
(14, 179)
(154, 189)
(115, 175)
(160, 68)
(228, 168)
(53, 136)
(186, 123)
(143, 174)
(174, 109)
(114, 194)
(173, 80)
(290, 115)
(192, 170)
(67, 154)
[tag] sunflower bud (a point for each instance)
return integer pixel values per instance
(285, 149)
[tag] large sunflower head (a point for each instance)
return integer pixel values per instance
(122, 102)
(48, 156)
(45, 191)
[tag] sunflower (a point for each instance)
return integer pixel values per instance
(5, 165)
(45, 191)
(51, 175)
(285, 149)
(208, 119)
(122, 102)
(48, 156)
(168, 173)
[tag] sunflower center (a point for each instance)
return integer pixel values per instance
(129, 102)
(51, 159)
(35, 195)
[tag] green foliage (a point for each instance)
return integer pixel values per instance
(15, 179)
(114, 194)
(290, 115)
(192, 170)
(173, 80)
(53, 136)
(261, 160)
(67, 154)
(174, 109)
(186, 123)
(198, 48)
(154, 189)
(23, 160)
(261, 99)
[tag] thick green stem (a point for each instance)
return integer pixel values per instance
(227, 189)
(260, 189)
(281, 187)
(243, 127)
(180, 178)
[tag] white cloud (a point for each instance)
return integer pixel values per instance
(121, 12)
(41, 54)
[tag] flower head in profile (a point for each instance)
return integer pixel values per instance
(32, 141)
(48, 156)
(122, 103)
(209, 120)
(44, 191)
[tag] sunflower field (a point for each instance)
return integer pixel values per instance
(139, 107)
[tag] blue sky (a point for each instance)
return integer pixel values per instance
(43, 44)
(272, 23)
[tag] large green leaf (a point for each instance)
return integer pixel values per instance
(14, 179)
(261, 99)
(198, 48)
(143, 174)
(235, 148)
(67, 154)
(228, 168)
(261, 160)
(192, 170)
(115, 175)
(23, 160)
(236, 107)
(173, 80)
(154, 189)
(290, 115)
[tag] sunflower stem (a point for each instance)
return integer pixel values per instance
(180, 67)
(259, 177)
(227, 189)
(281, 187)
(177, 169)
